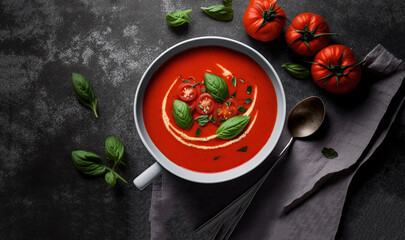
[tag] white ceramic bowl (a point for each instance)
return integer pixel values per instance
(147, 176)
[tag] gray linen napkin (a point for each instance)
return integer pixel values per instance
(304, 197)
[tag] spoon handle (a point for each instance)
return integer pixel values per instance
(243, 201)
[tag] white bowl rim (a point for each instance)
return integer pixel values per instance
(216, 177)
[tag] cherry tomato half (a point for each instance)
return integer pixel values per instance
(224, 111)
(205, 104)
(187, 92)
(191, 105)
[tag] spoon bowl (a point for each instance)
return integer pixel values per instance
(306, 117)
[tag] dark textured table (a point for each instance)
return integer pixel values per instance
(112, 43)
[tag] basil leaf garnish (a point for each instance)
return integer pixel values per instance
(248, 101)
(178, 18)
(215, 158)
(233, 95)
(296, 70)
(88, 162)
(242, 149)
(240, 79)
(181, 114)
(329, 153)
(186, 81)
(249, 89)
(114, 149)
(202, 120)
(216, 86)
(233, 81)
(110, 179)
(220, 12)
(84, 92)
(197, 132)
(232, 127)
(242, 109)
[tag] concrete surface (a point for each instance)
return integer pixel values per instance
(112, 43)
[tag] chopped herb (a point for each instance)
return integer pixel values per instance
(233, 95)
(228, 104)
(200, 107)
(198, 132)
(242, 109)
(243, 149)
(240, 79)
(202, 120)
(203, 90)
(215, 158)
(186, 81)
(195, 84)
(218, 110)
(233, 81)
(249, 89)
(329, 153)
(212, 118)
(248, 100)
(208, 108)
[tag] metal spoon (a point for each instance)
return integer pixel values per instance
(304, 120)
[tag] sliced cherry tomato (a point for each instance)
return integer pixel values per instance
(187, 92)
(205, 104)
(192, 106)
(224, 111)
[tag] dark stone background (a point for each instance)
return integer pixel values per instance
(112, 42)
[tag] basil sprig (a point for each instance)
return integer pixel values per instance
(178, 18)
(232, 127)
(91, 164)
(202, 120)
(216, 86)
(220, 12)
(181, 114)
(84, 92)
(296, 70)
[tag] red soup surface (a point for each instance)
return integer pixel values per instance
(206, 153)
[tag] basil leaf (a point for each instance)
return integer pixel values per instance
(88, 162)
(215, 158)
(220, 12)
(181, 114)
(242, 109)
(233, 95)
(84, 92)
(197, 132)
(232, 127)
(178, 18)
(216, 86)
(233, 81)
(202, 120)
(249, 89)
(296, 70)
(242, 149)
(329, 153)
(114, 149)
(240, 79)
(186, 81)
(110, 179)
(248, 101)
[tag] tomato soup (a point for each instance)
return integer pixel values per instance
(198, 148)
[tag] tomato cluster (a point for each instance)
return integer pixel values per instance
(198, 100)
(334, 67)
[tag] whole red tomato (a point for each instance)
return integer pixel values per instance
(264, 20)
(336, 69)
(307, 34)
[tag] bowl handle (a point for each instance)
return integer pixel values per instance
(145, 178)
